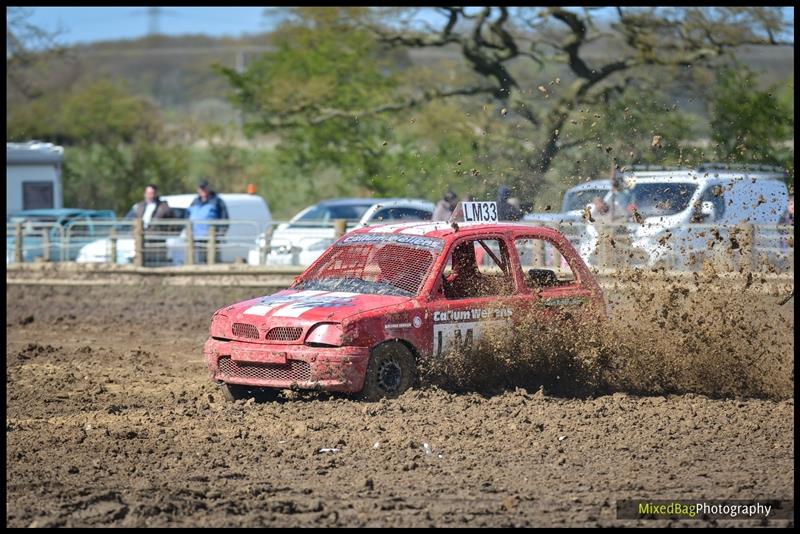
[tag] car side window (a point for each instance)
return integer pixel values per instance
(716, 195)
(477, 268)
(543, 266)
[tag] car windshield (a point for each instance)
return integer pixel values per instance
(383, 264)
(656, 199)
(577, 200)
(325, 215)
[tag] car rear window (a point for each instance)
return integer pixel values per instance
(379, 267)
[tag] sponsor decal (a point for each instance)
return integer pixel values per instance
(328, 300)
(400, 239)
(417, 322)
(459, 336)
(559, 302)
(394, 326)
(273, 301)
(447, 316)
(296, 303)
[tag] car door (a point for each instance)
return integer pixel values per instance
(552, 280)
(460, 318)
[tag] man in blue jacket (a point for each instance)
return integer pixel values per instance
(206, 207)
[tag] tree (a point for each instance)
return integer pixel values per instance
(639, 43)
(35, 61)
(325, 68)
(749, 124)
(115, 143)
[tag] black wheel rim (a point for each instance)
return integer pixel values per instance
(389, 376)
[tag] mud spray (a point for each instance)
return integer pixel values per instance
(699, 334)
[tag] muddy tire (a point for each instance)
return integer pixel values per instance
(390, 372)
(234, 392)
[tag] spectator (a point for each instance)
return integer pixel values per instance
(788, 215)
(458, 212)
(152, 207)
(505, 210)
(208, 206)
(600, 211)
(445, 207)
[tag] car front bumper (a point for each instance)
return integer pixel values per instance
(287, 366)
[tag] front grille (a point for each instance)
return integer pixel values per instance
(245, 330)
(284, 333)
(292, 371)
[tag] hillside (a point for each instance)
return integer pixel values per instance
(177, 73)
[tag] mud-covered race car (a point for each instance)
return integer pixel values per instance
(381, 298)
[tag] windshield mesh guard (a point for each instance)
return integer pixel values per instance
(388, 268)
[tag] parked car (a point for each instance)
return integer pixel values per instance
(382, 298)
(670, 203)
(251, 212)
(311, 231)
(67, 230)
(574, 201)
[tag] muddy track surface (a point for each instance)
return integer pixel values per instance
(112, 421)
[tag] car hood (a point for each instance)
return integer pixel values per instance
(305, 307)
(301, 237)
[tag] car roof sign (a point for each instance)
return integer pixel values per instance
(480, 211)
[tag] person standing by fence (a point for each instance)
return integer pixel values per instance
(152, 207)
(445, 207)
(208, 206)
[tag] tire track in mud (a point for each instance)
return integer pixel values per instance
(111, 420)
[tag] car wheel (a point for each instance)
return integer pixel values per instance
(391, 371)
(234, 392)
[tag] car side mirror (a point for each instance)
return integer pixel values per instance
(707, 211)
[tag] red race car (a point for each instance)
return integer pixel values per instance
(380, 298)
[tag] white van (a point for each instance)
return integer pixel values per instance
(672, 202)
(249, 214)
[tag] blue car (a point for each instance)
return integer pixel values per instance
(66, 231)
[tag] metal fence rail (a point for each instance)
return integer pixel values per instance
(744, 247)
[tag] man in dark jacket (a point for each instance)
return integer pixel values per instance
(207, 206)
(152, 207)
(505, 210)
(149, 209)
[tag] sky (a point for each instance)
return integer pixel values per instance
(88, 24)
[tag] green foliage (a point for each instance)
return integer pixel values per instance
(104, 176)
(323, 62)
(114, 144)
(620, 132)
(749, 124)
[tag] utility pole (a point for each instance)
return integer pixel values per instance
(153, 14)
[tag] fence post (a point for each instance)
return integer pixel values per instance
(603, 245)
(212, 244)
(46, 244)
(340, 227)
(18, 242)
(556, 253)
(748, 247)
(189, 244)
(138, 242)
(113, 238)
(265, 250)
